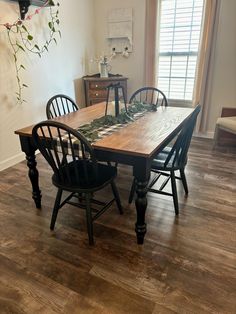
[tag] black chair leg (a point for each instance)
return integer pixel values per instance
(132, 191)
(89, 219)
(174, 191)
(117, 197)
(80, 197)
(184, 181)
(55, 209)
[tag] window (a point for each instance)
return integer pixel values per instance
(179, 33)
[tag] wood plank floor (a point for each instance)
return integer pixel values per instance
(187, 264)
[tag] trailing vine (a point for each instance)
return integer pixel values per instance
(21, 40)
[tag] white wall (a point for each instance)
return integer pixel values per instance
(132, 67)
(54, 73)
(224, 68)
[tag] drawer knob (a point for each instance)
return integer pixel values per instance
(96, 94)
(96, 85)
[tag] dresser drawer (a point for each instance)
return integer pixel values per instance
(94, 101)
(102, 93)
(95, 87)
(98, 85)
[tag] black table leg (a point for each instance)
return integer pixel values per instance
(141, 205)
(141, 173)
(29, 150)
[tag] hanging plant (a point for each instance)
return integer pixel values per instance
(22, 41)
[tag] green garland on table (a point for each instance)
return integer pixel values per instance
(91, 130)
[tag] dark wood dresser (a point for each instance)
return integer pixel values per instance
(95, 87)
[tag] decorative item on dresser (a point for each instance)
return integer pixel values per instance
(95, 87)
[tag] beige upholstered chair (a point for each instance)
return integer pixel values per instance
(225, 131)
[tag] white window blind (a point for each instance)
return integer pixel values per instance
(179, 34)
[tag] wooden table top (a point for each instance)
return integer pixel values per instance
(141, 138)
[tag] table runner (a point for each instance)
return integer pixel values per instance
(93, 134)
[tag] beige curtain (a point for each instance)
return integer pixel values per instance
(150, 43)
(203, 81)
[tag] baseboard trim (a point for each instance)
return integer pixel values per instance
(11, 161)
(209, 135)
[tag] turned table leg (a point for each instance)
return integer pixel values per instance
(141, 205)
(29, 150)
(141, 173)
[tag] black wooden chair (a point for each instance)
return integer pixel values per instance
(171, 159)
(59, 105)
(76, 170)
(150, 95)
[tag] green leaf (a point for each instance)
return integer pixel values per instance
(46, 48)
(53, 29)
(50, 25)
(30, 37)
(50, 2)
(55, 40)
(24, 85)
(59, 33)
(58, 21)
(22, 66)
(15, 58)
(24, 28)
(39, 54)
(37, 47)
(18, 45)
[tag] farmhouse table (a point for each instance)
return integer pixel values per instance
(135, 144)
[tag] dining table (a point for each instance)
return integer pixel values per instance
(136, 144)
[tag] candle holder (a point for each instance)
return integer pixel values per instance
(115, 93)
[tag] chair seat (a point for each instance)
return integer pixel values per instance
(158, 162)
(105, 174)
(227, 123)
